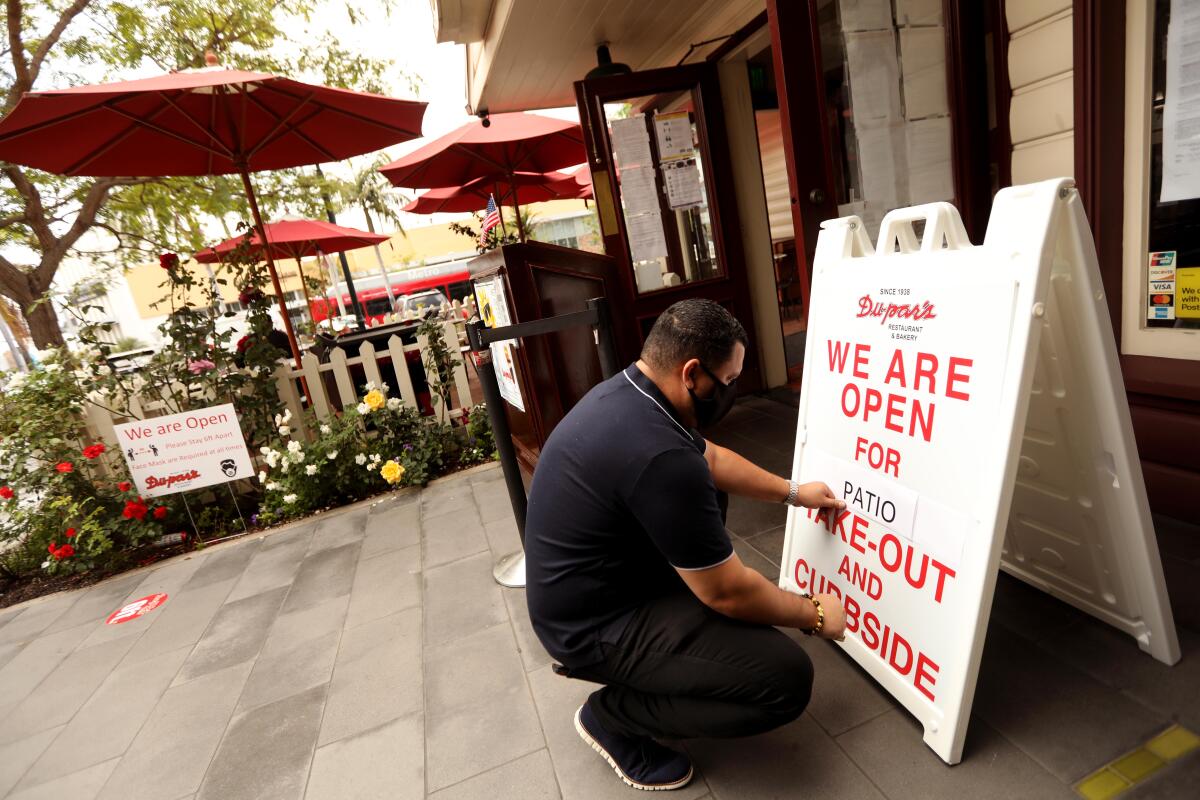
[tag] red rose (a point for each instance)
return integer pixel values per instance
(93, 451)
(65, 466)
(168, 261)
(52, 548)
(246, 296)
(124, 486)
(66, 551)
(135, 510)
(160, 512)
(70, 534)
(243, 343)
(6, 493)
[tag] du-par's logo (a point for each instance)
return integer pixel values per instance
(885, 312)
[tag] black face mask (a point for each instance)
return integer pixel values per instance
(710, 410)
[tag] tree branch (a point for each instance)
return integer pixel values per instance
(16, 48)
(35, 212)
(14, 280)
(39, 55)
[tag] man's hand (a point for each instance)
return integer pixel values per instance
(835, 616)
(817, 495)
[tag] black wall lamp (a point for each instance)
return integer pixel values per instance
(605, 68)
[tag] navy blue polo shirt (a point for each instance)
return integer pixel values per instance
(621, 498)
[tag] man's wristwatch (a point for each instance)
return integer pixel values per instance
(815, 629)
(793, 492)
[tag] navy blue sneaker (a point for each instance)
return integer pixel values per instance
(641, 762)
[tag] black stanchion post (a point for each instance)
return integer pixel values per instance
(482, 356)
(605, 347)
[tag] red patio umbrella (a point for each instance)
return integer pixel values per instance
(529, 187)
(208, 121)
(509, 144)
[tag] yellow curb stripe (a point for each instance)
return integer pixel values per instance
(1120, 774)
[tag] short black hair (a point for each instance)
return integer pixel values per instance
(693, 328)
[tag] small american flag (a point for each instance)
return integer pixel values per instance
(491, 218)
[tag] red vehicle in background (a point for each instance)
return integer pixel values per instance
(451, 280)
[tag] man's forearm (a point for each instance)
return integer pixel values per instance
(755, 599)
(738, 476)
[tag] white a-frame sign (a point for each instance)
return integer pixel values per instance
(967, 404)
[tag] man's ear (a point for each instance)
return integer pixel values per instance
(687, 372)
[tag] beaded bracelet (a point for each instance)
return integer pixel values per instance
(815, 629)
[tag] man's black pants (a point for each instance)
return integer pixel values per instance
(680, 670)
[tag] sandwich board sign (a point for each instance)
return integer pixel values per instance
(967, 404)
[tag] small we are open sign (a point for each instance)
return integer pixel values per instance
(185, 451)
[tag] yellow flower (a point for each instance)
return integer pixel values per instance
(391, 471)
(374, 400)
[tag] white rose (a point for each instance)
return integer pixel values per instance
(287, 415)
(394, 403)
(54, 368)
(289, 498)
(370, 386)
(298, 458)
(294, 446)
(311, 469)
(272, 486)
(278, 420)
(372, 466)
(331, 455)
(283, 466)
(326, 430)
(104, 369)
(262, 476)
(360, 459)
(284, 430)
(376, 458)
(364, 409)
(272, 460)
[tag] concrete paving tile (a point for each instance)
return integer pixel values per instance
(748, 517)
(340, 528)
(9, 651)
(107, 724)
(461, 598)
(297, 535)
(452, 536)
(486, 474)
(377, 676)
(533, 655)
(470, 670)
(225, 562)
(385, 763)
(492, 501)
(274, 566)
(844, 696)
(1030, 697)
(1113, 658)
(64, 691)
(582, 773)
(180, 622)
(16, 757)
(25, 670)
(267, 751)
(168, 579)
(322, 576)
(448, 498)
(385, 584)
(235, 635)
(530, 777)
(890, 751)
(1015, 603)
(292, 629)
(289, 671)
(796, 760)
(756, 560)
(1179, 779)
(170, 754)
(394, 529)
(96, 603)
(502, 537)
(769, 543)
(473, 739)
(36, 616)
(82, 785)
(7, 614)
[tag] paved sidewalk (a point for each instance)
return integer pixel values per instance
(368, 653)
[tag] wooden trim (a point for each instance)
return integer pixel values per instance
(739, 36)
(966, 87)
(1099, 64)
(1000, 137)
(1167, 377)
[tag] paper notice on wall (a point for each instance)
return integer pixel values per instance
(1160, 285)
(639, 192)
(923, 62)
(683, 184)
(1181, 112)
(918, 12)
(865, 15)
(504, 360)
(1187, 293)
(930, 177)
(674, 133)
(646, 238)
(883, 161)
(874, 76)
(631, 141)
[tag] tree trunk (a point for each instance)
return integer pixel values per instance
(43, 326)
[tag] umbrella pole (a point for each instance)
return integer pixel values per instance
(307, 299)
(516, 209)
(503, 227)
(262, 235)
